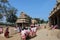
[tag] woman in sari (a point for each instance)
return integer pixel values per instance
(6, 34)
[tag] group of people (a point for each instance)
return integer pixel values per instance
(27, 32)
(54, 26)
(6, 33)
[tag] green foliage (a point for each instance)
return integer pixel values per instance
(38, 20)
(8, 11)
(46, 21)
(43, 21)
(11, 17)
(1, 16)
(4, 1)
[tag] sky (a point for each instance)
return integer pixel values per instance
(34, 8)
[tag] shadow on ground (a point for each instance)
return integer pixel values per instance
(28, 38)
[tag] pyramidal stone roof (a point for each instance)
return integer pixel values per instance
(23, 15)
(22, 18)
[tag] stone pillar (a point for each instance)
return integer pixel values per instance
(54, 21)
(16, 24)
(50, 22)
(57, 20)
(58, 23)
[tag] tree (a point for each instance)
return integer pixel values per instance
(4, 1)
(12, 16)
(42, 21)
(46, 21)
(7, 11)
(1, 16)
(38, 20)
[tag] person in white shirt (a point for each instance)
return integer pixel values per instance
(31, 31)
(23, 34)
(35, 30)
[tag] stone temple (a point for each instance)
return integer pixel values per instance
(54, 18)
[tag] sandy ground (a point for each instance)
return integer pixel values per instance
(42, 34)
(45, 34)
(13, 35)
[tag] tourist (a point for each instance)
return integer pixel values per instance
(35, 30)
(6, 34)
(18, 30)
(23, 34)
(55, 27)
(31, 31)
(15, 29)
(1, 30)
(52, 26)
(27, 30)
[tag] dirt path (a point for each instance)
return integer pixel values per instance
(13, 37)
(42, 34)
(45, 34)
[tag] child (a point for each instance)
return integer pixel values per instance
(6, 34)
